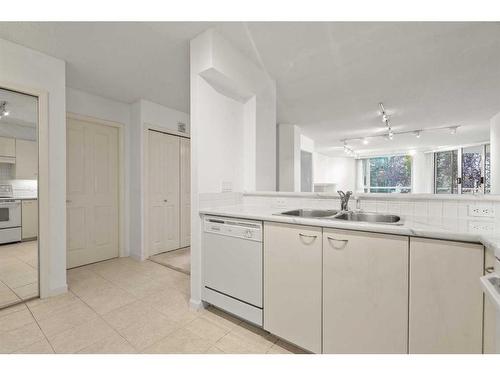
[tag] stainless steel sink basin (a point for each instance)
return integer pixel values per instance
(369, 217)
(310, 213)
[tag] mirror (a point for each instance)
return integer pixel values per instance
(18, 197)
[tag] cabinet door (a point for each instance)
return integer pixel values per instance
(446, 301)
(185, 192)
(490, 325)
(29, 218)
(292, 283)
(26, 160)
(365, 292)
(7, 147)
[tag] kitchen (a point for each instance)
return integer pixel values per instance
(369, 274)
(333, 188)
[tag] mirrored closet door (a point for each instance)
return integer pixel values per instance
(18, 197)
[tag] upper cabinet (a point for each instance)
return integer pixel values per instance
(7, 147)
(26, 153)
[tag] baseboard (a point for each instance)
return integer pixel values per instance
(57, 291)
(197, 304)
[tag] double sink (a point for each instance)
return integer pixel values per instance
(368, 217)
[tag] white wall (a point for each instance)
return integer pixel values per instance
(289, 143)
(233, 130)
(422, 172)
(335, 170)
(34, 70)
(85, 104)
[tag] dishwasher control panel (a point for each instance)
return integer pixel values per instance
(249, 230)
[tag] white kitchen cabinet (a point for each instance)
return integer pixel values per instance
(446, 301)
(292, 283)
(7, 147)
(26, 160)
(29, 219)
(490, 325)
(365, 292)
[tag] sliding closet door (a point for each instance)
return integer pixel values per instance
(163, 184)
(185, 192)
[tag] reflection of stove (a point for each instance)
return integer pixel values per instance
(10, 216)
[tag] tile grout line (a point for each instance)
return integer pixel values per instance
(100, 316)
(40, 328)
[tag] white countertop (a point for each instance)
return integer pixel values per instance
(439, 228)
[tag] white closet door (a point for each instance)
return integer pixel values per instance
(164, 198)
(92, 192)
(185, 192)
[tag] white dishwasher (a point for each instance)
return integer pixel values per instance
(232, 266)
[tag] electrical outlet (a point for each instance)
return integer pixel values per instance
(226, 187)
(280, 202)
(481, 226)
(481, 210)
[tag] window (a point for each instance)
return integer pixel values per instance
(387, 174)
(446, 172)
(463, 171)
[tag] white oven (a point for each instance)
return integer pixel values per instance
(10, 220)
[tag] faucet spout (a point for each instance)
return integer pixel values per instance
(344, 199)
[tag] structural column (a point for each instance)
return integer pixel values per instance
(495, 153)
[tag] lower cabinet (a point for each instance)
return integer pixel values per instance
(446, 301)
(342, 291)
(490, 324)
(29, 219)
(292, 283)
(365, 292)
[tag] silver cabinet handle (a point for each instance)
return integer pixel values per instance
(68, 201)
(343, 242)
(165, 200)
(489, 269)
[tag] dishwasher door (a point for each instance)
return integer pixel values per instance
(232, 259)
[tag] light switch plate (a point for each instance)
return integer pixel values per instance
(481, 210)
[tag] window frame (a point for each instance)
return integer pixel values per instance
(367, 174)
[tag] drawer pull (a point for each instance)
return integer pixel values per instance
(343, 243)
(489, 269)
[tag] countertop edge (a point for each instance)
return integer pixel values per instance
(489, 241)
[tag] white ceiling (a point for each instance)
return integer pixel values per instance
(330, 76)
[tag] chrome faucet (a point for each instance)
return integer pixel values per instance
(344, 199)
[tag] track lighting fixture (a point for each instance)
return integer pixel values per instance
(453, 129)
(417, 133)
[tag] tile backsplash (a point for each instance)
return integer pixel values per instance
(431, 208)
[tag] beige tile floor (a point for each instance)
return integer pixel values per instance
(179, 260)
(126, 306)
(18, 272)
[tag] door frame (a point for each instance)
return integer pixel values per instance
(122, 211)
(145, 178)
(42, 183)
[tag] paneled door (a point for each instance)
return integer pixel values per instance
(163, 185)
(92, 192)
(185, 192)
